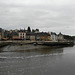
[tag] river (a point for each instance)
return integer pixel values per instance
(37, 60)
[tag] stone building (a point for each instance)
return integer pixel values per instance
(54, 37)
(22, 34)
(0, 36)
(60, 37)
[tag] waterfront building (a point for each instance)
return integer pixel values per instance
(15, 36)
(1, 30)
(60, 37)
(27, 36)
(10, 31)
(54, 37)
(16, 30)
(49, 38)
(30, 36)
(6, 34)
(0, 36)
(43, 36)
(37, 36)
(22, 34)
(1, 33)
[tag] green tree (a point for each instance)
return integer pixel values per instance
(29, 29)
(33, 30)
(37, 30)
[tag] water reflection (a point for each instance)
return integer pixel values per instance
(31, 48)
(27, 51)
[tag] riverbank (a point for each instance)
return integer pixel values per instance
(60, 44)
(45, 43)
(3, 44)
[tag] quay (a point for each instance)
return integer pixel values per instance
(45, 43)
(62, 44)
(5, 43)
(2, 44)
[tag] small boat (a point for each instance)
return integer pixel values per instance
(35, 44)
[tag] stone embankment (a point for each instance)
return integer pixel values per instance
(46, 43)
(2, 44)
(5, 43)
(58, 44)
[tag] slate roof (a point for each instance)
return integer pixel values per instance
(22, 30)
(39, 34)
(15, 33)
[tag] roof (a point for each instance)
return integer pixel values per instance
(15, 33)
(22, 30)
(59, 34)
(31, 34)
(53, 33)
(39, 34)
(43, 34)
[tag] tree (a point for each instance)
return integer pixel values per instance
(37, 30)
(29, 29)
(33, 30)
(67, 37)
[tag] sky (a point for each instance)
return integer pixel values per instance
(46, 15)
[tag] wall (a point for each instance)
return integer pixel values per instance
(22, 35)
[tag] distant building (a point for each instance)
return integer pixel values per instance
(15, 36)
(43, 36)
(6, 34)
(16, 30)
(22, 34)
(0, 36)
(60, 37)
(10, 31)
(37, 36)
(30, 36)
(0, 30)
(54, 37)
(37, 31)
(27, 36)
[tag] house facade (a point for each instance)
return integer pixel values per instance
(54, 37)
(60, 37)
(43, 36)
(30, 36)
(15, 36)
(22, 34)
(0, 36)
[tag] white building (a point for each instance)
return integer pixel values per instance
(22, 34)
(60, 37)
(54, 37)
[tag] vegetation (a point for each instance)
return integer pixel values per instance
(69, 37)
(29, 29)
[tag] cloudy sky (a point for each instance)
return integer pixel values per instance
(47, 15)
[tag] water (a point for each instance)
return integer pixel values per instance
(37, 60)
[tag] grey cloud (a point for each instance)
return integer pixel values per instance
(47, 15)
